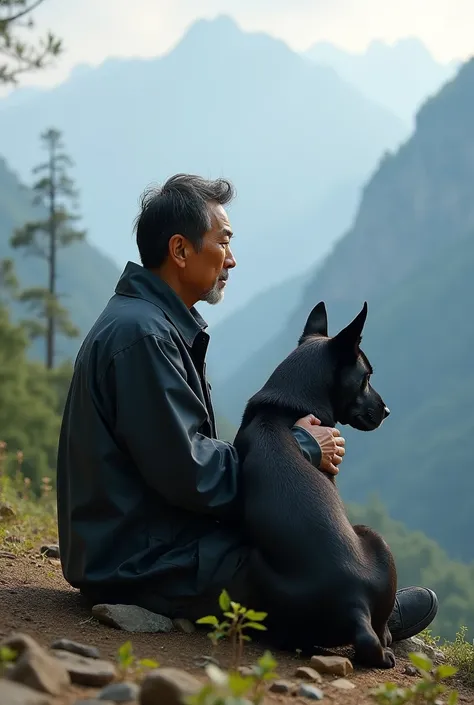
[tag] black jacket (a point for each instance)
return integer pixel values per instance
(146, 492)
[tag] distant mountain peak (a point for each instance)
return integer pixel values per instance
(399, 76)
(204, 30)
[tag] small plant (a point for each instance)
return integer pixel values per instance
(3, 454)
(426, 691)
(7, 657)
(129, 665)
(45, 487)
(233, 688)
(427, 636)
(460, 653)
(237, 619)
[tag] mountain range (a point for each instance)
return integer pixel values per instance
(293, 136)
(399, 76)
(410, 254)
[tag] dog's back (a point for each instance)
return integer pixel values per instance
(322, 581)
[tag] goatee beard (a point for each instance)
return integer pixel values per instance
(216, 294)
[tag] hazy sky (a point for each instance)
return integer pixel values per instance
(95, 29)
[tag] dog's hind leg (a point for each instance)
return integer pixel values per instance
(369, 650)
(386, 639)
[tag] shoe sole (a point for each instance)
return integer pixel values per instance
(422, 624)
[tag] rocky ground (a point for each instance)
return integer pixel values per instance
(37, 608)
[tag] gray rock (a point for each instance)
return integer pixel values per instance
(168, 686)
(132, 618)
(282, 686)
(310, 691)
(93, 673)
(415, 644)
(308, 674)
(51, 551)
(75, 648)
(17, 694)
(34, 667)
(119, 692)
(184, 625)
(411, 670)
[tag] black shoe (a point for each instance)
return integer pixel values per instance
(415, 608)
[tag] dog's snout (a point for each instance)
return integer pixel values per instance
(386, 412)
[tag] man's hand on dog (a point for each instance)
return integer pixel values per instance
(330, 441)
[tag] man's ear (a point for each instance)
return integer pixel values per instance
(317, 323)
(347, 342)
(178, 248)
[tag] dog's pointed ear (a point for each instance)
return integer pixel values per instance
(317, 323)
(348, 339)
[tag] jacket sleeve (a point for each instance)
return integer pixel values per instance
(309, 446)
(158, 417)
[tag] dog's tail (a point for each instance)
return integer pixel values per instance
(369, 650)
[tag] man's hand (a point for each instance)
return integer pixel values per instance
(331, 442)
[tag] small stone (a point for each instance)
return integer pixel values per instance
(309, 674)
(282, 686)
(410, 670)
(184, 625)
(6, 512)
(17, 694)
(343, 684)
(5, 554)
(168, 686)
(309, 691)
(132, 618)
(75, 648)
(51, 551)
(119, 692)
(93, 673)
(336, 665)
(246, 671)
(94, 701)
(203, 661)
(34, 667)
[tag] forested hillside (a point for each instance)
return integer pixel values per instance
(410, 254)
(85, 275)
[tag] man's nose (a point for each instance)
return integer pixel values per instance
(229, 262)
(386, 412)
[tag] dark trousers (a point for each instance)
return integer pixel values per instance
(233, 576)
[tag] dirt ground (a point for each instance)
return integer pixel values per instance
(35, 599)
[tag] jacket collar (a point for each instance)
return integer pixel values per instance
(138, 282)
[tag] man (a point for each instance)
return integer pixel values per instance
(149, 501)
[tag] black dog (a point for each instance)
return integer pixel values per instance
(322, 581)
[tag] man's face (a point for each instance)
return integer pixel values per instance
(208, 269)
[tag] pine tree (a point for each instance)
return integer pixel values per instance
(16, 55)
(43, 238)
(8, 281)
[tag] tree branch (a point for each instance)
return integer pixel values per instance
(22, 13)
